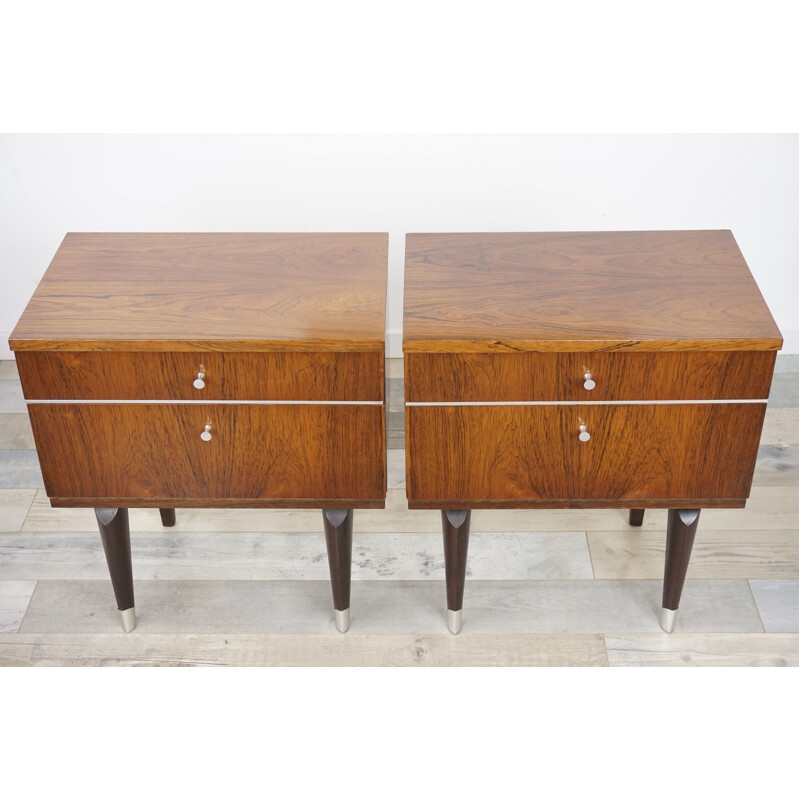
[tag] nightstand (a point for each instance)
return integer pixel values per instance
(582, 370)
(232, 370)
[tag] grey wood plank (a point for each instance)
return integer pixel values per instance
(395, 429)
(396, 469)
(15, 432)
(394, 368)
(415, 607)
(313, 650)
(295, 556)
(787, 362)
(19, 469)
(637, 554)
(14, 599)
(8, 370)
(784, 390)
(395, 395)
(776, 465)
(14, 505)
(780, 426)
(777, 604)
(11, 399)
(769, 508)
(703, 650)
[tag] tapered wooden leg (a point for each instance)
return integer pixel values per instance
(339, 539)
(167, 517)
(116, 536)
(681, 529)
(636, 517)
(455, 528)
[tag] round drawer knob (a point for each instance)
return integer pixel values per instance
(206, 434)
(199, 381)
(584, 435)
(588, 381)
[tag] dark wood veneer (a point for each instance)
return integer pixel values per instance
(210, 291)
(475, 454)
(512, 377)
(227, 376)
(582, 291)
(154, 451)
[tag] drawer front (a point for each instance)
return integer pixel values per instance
(143, 451)
(126, 375)
(514, 377)
(518, 454)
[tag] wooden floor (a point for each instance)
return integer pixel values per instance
(548, 588)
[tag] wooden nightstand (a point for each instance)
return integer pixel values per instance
(210, 370)
(582, 370)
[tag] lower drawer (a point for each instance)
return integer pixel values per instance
(280, 452)
(532, 455)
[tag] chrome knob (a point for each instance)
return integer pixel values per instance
(206, 434)
(584, 435)
(199, 381)
(588, 381)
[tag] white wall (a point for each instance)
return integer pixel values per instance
(51, 184)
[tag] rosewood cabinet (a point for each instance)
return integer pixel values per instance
(210, 370)
(582, 370)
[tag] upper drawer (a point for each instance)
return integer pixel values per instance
(96, 375)
(514, 377)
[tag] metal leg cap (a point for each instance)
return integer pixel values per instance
(128, 617)
(454, 620)
(342, 620)
(668, 616)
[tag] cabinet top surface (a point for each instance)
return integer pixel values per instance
(226, 291)
(636, 290)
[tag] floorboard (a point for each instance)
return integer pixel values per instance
(703, 650)
(291, 650)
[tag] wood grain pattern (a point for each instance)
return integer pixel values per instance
(228, 376)
(702, 650)
(400, 556)
(154, 452)
(227, 503)
(530, 455)
(14, 599)
(210, 291)
(291, 650)
(416, 607)
(14, 507)
(637, 290)
(512, 377)
(777, 604)
(753, 553)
